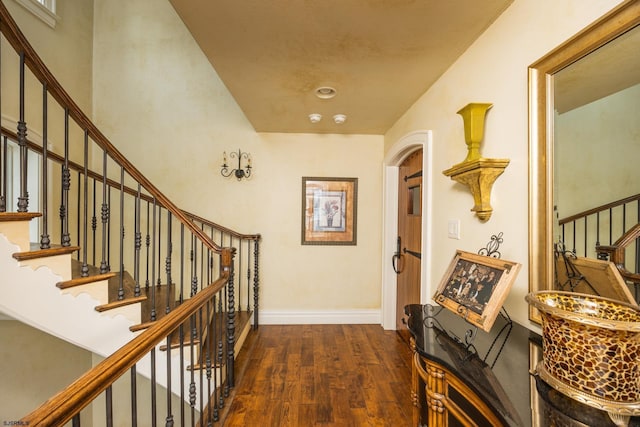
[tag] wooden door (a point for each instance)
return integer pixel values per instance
(407, 258)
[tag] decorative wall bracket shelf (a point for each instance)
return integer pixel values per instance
(479, 175)
(476, 172)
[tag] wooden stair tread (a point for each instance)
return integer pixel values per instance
(202, 366)
(119, 303)
(177, 344)
(141, 326)
(18, 216)
(43, 253)
(78, 281)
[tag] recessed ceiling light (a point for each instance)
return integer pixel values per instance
(339, 118)
(315, 117)
(325, 92)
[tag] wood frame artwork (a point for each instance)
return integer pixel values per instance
(329, 211)
(592, 276)
(475, 287)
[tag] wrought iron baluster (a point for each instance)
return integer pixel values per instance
(610, 226)
(94, 224)
(218, 367)
(109, 406)
(78, 207)
(109, 229)
(134, 397)
(45, 241)
(153, 265)
(23, 198)
(637, 257)
(85, 217)
(154, 403)
(248, 249)
(586, 236)
(168, 261)
(158, 231)
(121, 240)
(148, 243)
(238, 287)
(3, 155)
(169, 419)
(198, 364)
(3, 176)
(181, 358)
(104, 215)
(194, 267)
(137, 244)
(220, 344)
(597, 229)
(192, 383)
(231, 328)
(66, 184)
(208, 359)
(181, 297)
(256, 282)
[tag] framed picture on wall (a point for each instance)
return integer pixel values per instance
(329, 211)
(475, 287)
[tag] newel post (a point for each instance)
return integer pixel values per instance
(227, 265)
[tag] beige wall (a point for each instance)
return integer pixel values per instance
(66, 50)
(162, 104)
(493, 69)
(34, 366)
(596, 145)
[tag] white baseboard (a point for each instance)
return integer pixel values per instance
(351, 317)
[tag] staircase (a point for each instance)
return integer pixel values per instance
(89, 320)
(180, 298)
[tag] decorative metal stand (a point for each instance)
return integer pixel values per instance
(574, 277)
(490, 250)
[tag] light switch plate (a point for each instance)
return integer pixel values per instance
(453, 229)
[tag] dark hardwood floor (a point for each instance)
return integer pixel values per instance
(322, 375)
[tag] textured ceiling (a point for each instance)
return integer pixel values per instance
(379, 55)
(612, 68)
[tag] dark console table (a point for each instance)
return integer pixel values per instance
(463, 377)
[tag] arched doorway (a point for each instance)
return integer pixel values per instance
(419, 140)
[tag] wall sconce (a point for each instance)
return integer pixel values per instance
(239, 172)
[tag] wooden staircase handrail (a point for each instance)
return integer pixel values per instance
(221, 228)
(616, 252)
(16, 38)
(60, 408)
(604, 207)
(131, 191)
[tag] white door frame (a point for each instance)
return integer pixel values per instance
(398, 152)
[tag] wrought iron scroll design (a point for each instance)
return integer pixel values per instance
(490, 250)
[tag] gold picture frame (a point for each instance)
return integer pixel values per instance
(593, 277)
(329, 211)
(475, 287)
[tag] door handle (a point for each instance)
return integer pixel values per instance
(396, 260)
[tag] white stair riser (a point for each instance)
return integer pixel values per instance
(97, 290)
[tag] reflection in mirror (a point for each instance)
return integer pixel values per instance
(596, 146)
(584, 140)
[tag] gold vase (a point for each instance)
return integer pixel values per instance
(473, 116)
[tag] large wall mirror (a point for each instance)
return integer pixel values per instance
(584, 137)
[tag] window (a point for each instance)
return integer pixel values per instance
(43, 9)
(49, 4)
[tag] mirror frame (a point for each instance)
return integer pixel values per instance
(618, 21)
